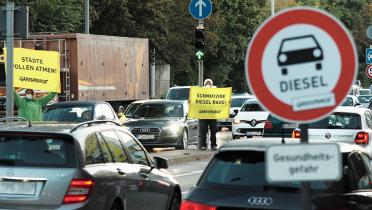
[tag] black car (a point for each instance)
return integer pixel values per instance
(79, 111)
(94, 165)
(297, 50)
(163, 123)
(235, 180)
(275, 127)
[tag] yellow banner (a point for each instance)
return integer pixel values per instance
(209, 103)
(36, 69)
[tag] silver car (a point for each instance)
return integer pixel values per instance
(93, 165)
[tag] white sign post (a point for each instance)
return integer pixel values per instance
(303, 162)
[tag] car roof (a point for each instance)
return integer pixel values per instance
(75, 103)
(179, 87)
(162, 101)
(351, 109)
(261, 144)
(243, 96)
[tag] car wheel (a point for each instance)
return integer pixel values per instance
(116, 206)
(219, 129)
(175, 202)
(284, 71)
(318, 66)
(183, 143)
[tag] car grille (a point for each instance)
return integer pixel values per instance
(245, 130)
(147, 131)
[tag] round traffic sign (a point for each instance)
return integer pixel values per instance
(369, 71)
(301, 64)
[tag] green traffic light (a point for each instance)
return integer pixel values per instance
(199, 55)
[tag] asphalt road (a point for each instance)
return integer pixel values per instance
(187, 173)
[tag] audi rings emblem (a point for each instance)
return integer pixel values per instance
(10, 172)
(144, 130)
(260, 201)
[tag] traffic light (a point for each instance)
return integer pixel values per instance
(199, 43)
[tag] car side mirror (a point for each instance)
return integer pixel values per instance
(236, 111)
(358, 105)
(161, 162)
(101, 117)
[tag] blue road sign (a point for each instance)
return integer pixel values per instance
(369, 55)
(200, 9)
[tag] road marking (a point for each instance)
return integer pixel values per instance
(188, 174)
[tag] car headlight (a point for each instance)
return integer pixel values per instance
(236, 120)
(173, 129)
(282, 58)
(317, 53)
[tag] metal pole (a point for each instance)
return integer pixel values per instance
(86, 16)
(305, 186)
(9, 58)
(200, 73)
(272, 7)
(153, 75)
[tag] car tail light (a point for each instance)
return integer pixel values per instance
(188, 205)
(362, 138)
(78, 191)
(268, 124)
(296, 134)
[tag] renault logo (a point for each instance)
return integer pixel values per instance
(145, 130)
(260, 201)
(253, 123)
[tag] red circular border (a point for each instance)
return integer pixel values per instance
(268, 30)
(369, 66)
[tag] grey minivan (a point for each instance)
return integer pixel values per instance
(93, 165)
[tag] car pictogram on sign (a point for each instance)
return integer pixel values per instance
(297, 50)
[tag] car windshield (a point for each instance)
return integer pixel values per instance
(159, 110)
(39, 151)
(251, 107)
(298, 44)
(364, 99)
(238, 102)
(68, 114)
(364, 92)
(178, 94)
(338, 121)
(131, 109)
(348, 102)
(242, 169)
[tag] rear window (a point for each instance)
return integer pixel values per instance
(252, 108)
(68, 114)
(178, 94)
(338, 121)
(242, 169)
(37, 151)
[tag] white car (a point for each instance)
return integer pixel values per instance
(236, 104)
(346, 124)
(250, 121)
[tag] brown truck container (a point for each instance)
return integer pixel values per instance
(96, 67)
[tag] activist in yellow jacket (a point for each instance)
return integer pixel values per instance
(30, 108)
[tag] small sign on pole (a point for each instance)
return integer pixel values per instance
(369, 56)
(369, 71)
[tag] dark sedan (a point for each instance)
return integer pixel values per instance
(163, 123)
(235, 179)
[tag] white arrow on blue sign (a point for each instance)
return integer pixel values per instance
(369, 55)
(200, 9)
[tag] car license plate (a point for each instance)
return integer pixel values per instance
(225, 120)
(145, 137)
(18, 188)
(257, 133)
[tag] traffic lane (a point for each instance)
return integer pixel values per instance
(187, 173)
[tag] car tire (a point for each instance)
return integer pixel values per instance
(184, 141)
(175, 202)
(116, 206)
(219, 129)
(284, 71)
(318, 66)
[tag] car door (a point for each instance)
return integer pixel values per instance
(129, 182)
(192, 125)
(156, 188)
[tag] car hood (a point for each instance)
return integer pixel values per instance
(152, 122)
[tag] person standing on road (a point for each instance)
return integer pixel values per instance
(205, 123)
(121, 115)
(30, 108)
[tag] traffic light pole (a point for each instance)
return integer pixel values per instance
(200, 62)
(9, 58)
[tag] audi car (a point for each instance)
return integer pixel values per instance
(235, 180)
(163, 123)
(298, 50)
